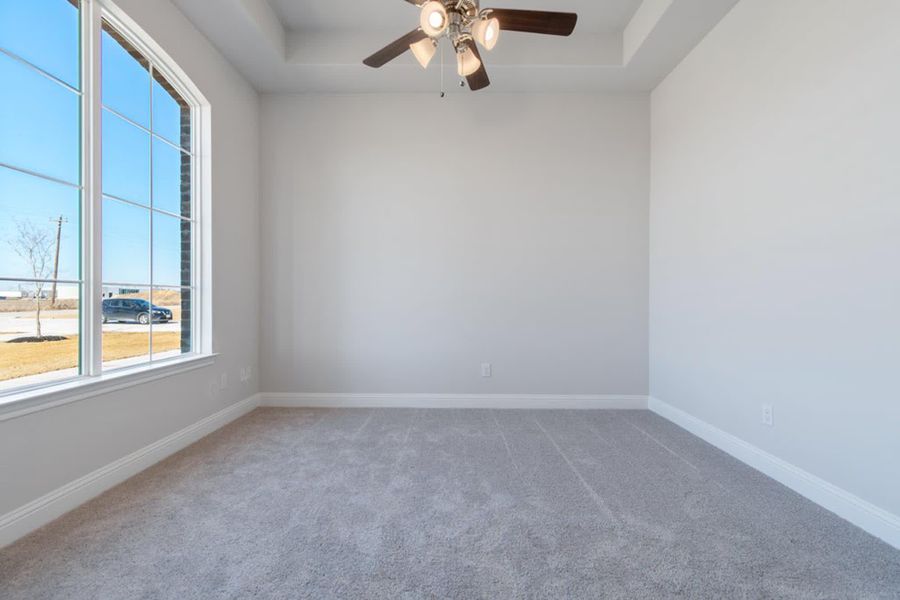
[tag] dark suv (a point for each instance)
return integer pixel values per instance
(133, 309)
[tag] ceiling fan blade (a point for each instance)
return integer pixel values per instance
(416, 2)
(394, 49)
(536, 21)
(479, 79)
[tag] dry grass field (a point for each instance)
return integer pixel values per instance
(21, 360)
(26, 305)
(160, 297)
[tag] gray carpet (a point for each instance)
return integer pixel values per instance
(449, 504)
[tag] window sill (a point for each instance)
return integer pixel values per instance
(19, 404)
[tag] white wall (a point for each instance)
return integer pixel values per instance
(43, 451)
(407, 239)
(775, 236)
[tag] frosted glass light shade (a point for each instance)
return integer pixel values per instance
(466, 62)
(434, 19)
(424, 51)
(486, 32)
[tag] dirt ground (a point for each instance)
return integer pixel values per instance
(160, 298)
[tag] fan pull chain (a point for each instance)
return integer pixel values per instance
(442, 71)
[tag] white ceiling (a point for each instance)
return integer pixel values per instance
(306, 15)
(318, 45)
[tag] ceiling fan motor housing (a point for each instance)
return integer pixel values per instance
(462, 14)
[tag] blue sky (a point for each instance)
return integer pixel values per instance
(40, 131)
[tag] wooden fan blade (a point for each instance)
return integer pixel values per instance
(394, 49)
(479, 79)
(536, 21)
(416, 2)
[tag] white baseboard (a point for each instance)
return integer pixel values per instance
(509, 401)
(39, 512)
(861, 513)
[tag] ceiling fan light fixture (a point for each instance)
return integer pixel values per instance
(486, 32)
(424, 51)
(434, 19)
(466, 62)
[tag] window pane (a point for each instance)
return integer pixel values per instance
(171, 113)
(126, 160)
(43, 32)
(32, 212)
(171, 179)
(38, 340)
(125, 78)
(126, 326)
(171, 251)
(39, 123)
(126, 243)
(171, 330)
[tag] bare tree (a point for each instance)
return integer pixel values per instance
(35, 247)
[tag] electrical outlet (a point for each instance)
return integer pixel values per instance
(768, 415)
(486, 370)
(223, 380)
(246, 374)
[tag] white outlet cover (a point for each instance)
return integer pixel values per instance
(486, 370)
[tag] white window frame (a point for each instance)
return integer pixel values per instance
(93, 379)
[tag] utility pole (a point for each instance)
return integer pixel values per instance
(59, 223)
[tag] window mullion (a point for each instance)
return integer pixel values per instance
(92, 218)
(152, 205)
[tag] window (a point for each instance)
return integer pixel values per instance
(99, 221)
(147, 202)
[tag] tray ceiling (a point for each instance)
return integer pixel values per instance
(318, 45)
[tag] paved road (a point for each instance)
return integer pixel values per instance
(63, 322)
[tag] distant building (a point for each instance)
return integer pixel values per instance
(108, 293)
(67, 292)
(10, 295)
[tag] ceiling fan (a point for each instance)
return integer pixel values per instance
(464, 22)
